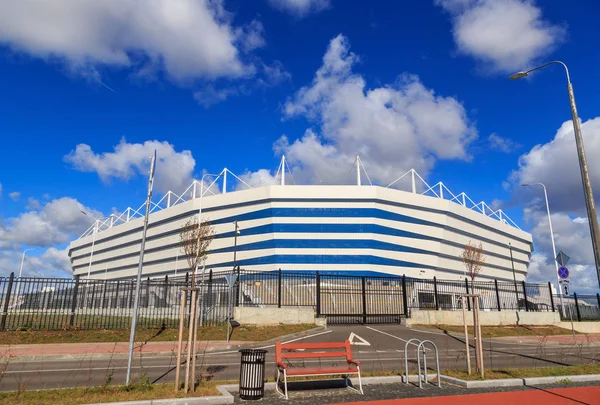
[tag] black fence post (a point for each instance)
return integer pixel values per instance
(468, 298)
(364, 300)
(166, 292)
(525, 296)
(551, 296)
(404, 296)
(74, 301)
(497, 295)
(210, 285)
(598, 299)
(131, 293)
(318, 281)
(187, 279)
(435, 294)
(279, 289)
(237, 287)
(7, 300)
(577, 307)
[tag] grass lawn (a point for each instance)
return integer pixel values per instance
(93, 395)
(503, 331)
(243, 333)
(526, 372)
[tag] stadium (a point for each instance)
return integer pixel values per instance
(339, 229)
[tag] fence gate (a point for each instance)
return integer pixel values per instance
(365, 300)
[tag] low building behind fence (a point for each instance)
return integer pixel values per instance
(55, 304)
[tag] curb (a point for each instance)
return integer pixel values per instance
(120, 356)
(516, 382)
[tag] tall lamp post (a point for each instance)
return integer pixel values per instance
(552, 239)
(21, 270)
(96, 222)
(585, 177)
(23, 260)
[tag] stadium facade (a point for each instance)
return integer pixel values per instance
(345, 229)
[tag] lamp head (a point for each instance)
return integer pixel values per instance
(525, 185)
(518, 75)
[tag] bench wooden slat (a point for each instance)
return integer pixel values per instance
(320, 345)
(309, 355)
(321, 371)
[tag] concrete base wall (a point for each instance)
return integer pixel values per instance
(420, 317)
(274, 316)
(581, 327)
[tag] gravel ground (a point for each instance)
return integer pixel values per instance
(305, 393)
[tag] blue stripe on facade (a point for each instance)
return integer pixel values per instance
(328, 228)
(324, 259)
(323, 213)
(322, 244)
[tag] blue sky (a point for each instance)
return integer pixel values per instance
(217, 84)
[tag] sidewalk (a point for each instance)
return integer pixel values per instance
(108, 349)
(557, 396)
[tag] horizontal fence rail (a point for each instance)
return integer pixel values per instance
(56, 304)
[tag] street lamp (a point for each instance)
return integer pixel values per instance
(552, 239)
(23, 260)
(21, 270)
(96, 222)
(585, 177)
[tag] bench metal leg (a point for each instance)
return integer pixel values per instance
(360, 381)
(285, 383)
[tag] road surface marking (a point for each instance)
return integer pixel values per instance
(395, 337)
(269, 346)
(361, 341)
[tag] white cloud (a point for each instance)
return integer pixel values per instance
(500, 144)
(173, 169)
(210, 95)
(300, 8)
(0, 190)
(393, 128)
(14, 195)
(262, 177)
(188, 39)
(506, 35)
(556, 165)
(33, 204)
(572, 235)
(51, 263)
(56, 222)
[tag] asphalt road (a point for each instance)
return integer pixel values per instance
(382, 349)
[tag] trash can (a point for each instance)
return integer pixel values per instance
(252, 374)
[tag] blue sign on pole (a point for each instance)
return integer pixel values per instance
(563, 272)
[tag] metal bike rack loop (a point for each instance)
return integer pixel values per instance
(437, 363)
(421, 347)
(406, 357)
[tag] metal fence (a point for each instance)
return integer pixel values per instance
(579, 307)
(53, 304)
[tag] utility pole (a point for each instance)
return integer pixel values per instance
(139, 273)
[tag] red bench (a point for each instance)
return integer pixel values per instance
(294, 351)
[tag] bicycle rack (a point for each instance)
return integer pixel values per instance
(406, 357)
(420, 346)
(437, 363)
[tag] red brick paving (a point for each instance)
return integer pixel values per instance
(534, 396)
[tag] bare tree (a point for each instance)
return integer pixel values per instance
(473, 258)
(194, 239)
